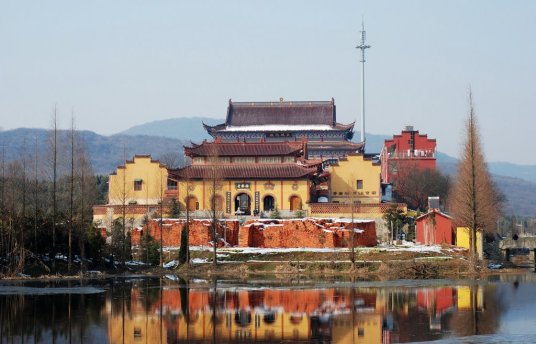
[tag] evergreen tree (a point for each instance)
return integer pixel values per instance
(174, 209)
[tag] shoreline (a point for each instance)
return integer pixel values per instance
(384, 270)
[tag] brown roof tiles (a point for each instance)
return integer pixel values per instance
(219, 149)
(282, 113)
(243, 171)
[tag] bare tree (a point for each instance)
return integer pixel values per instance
(54, 151)
(216, 203)
(85, 197)
(161, 195)
(22, 215)
(474, 198)
(184, 251)
(71, 195)
(3, 243)
(414, 185)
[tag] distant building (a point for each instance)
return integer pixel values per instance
(410, 149)
(402, 154)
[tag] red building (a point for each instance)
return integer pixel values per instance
(407, 151)
(434, 228)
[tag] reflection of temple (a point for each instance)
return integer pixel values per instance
(293, 315)
(248, 316)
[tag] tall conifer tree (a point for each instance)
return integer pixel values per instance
(474, 199)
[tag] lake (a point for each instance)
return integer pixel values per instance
(499, 309)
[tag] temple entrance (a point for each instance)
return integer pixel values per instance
(268, 204)
(295, 203)
(242, 204)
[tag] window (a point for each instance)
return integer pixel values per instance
(359, 184)
(137, 184)
(198, 160)
(269, 159)
(288, 159)
(244, 159)
(171, 184)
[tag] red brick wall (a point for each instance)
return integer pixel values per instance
(305, 233)
(199, 233)
(265, 233)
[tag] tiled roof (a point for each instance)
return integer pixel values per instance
(219, 149)
(243, 171)
(293, 113)
(345, 145)
(280, 116)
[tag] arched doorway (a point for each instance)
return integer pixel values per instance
(192, 203)
(243, 204)
(268, 203)
(295, 203)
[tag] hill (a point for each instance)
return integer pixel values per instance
(517, 182)
(105, 152)
(187, 128)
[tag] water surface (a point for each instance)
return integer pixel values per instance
(174, 310)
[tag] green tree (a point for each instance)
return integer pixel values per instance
(174, 209)
(395, 219)
(149, 249)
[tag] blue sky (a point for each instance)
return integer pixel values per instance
(122, 63)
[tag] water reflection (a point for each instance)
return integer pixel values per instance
(163, 311)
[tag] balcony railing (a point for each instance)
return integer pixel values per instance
(345, 209)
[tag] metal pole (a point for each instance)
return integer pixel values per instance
(362, 47)
(363, 96)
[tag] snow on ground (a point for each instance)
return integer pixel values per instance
(341, 220)
(199, 260)
(406, 247)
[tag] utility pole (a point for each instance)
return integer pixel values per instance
(362, 47)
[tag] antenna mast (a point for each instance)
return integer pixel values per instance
(363, 46)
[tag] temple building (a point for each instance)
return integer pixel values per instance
(291, 158)
(403, 154)
(312, 121)
(245, 178)
(410, 150)
(135, 189)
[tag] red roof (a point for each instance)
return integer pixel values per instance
(243, 171)
(219, 149)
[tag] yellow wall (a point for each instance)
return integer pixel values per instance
(154, 182)
(281, 190)
(148, 329)
(367, 329)
(462, 239)
(344, 178)
(464, 297)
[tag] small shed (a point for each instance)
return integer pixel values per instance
(434, 228)
(463, 240)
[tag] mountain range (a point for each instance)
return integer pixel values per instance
(165, 139)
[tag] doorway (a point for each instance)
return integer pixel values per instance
(243, 204)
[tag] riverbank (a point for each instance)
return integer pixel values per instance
(375, 263)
